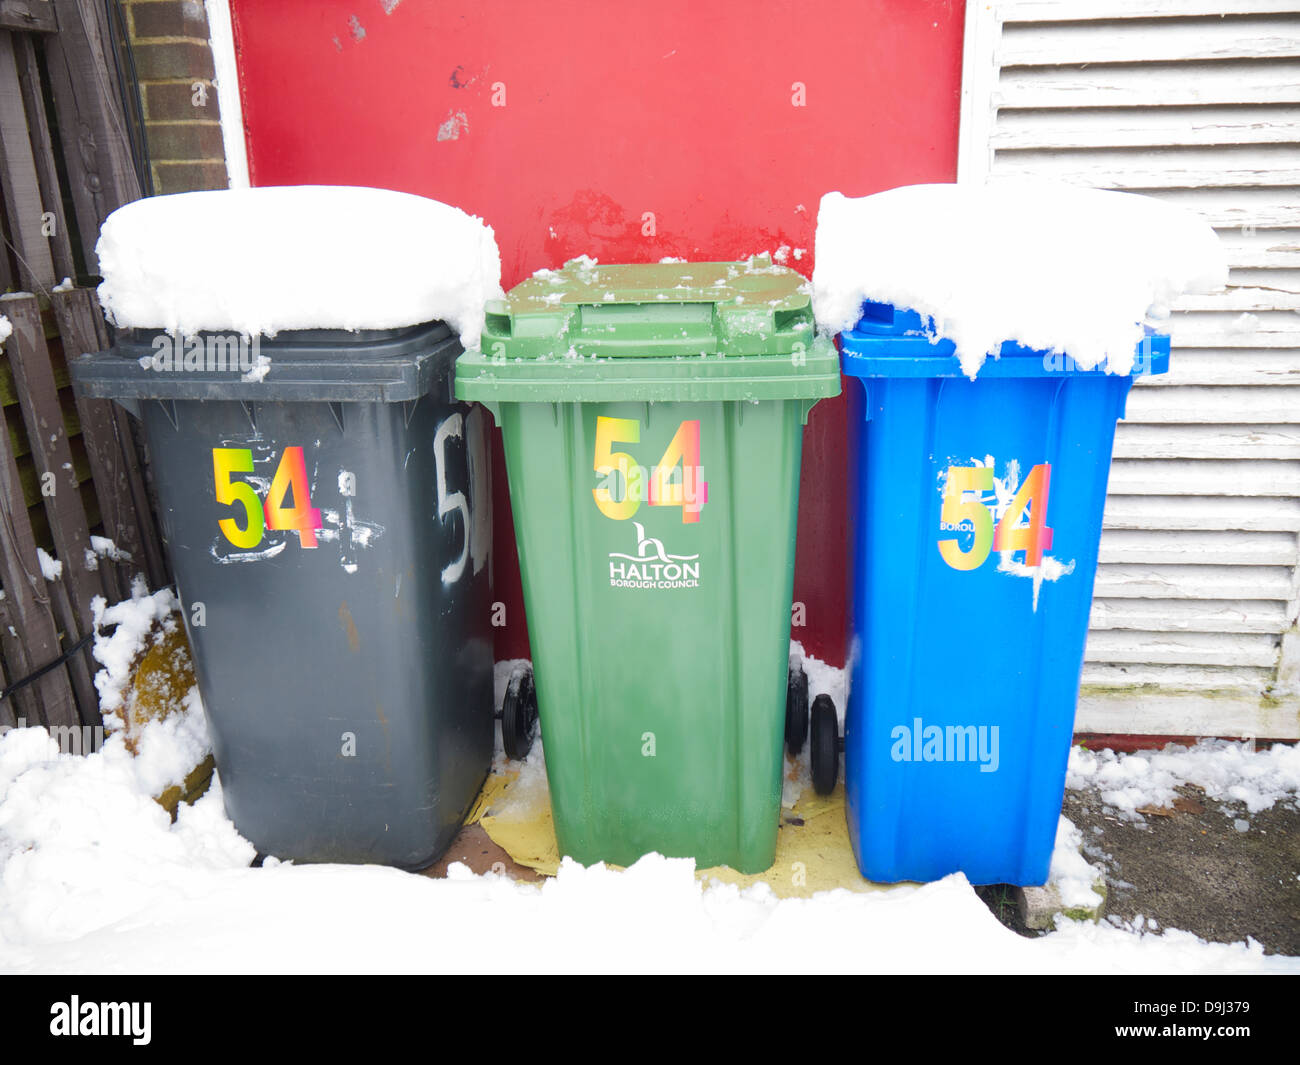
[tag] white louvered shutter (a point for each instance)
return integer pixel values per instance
(1194, 621)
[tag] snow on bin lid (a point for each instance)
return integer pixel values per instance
(261, 260)
(1049, 266)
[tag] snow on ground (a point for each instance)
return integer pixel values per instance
(1223, 769)
(83, 845)
(259, 260)
(1054, 267)
(1072, 873)
(95, 878)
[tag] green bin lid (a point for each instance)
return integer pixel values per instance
(656, 331)
(652, 310)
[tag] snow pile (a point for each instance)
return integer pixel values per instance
(502, 671)
(1054, 267)
(83, 845)
(103, 547)
(1072, 873)
(131, 622)
(1223, 769)
(531, 787)
(259, 370)
(93, 877)
(82, 841)
(106, 548)
(256, 261)
(167, 749)
(51, 568)
(823, 679)
(153, 898)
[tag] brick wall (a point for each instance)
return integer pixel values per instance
(169, 39)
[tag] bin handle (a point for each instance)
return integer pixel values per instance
(646, 329)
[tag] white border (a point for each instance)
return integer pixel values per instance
(979, 75)
(226, 79)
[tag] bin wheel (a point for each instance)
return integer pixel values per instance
(519, 715)
(825, 745)
(796, 710)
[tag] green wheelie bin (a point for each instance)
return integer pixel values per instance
(653, 418)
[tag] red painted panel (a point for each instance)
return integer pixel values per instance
(568, 124)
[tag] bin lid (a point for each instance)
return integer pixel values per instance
(656, 332)
(335, 365)
(890, 341)
(652, 310)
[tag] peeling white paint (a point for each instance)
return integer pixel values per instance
(453, 126)
(1050, 569)
(245, 556)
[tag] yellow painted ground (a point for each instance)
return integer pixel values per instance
(812, 848)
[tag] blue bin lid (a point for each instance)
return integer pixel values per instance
(890, 341)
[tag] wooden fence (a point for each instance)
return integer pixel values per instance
(73, 474)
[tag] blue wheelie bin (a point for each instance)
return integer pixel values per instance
(977, 509)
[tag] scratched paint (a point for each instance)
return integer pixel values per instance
(244, 556)
(453, 126)
(352, 532)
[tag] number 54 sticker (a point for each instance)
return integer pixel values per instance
(290, 476)
(654, 486)
(1033, 538)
